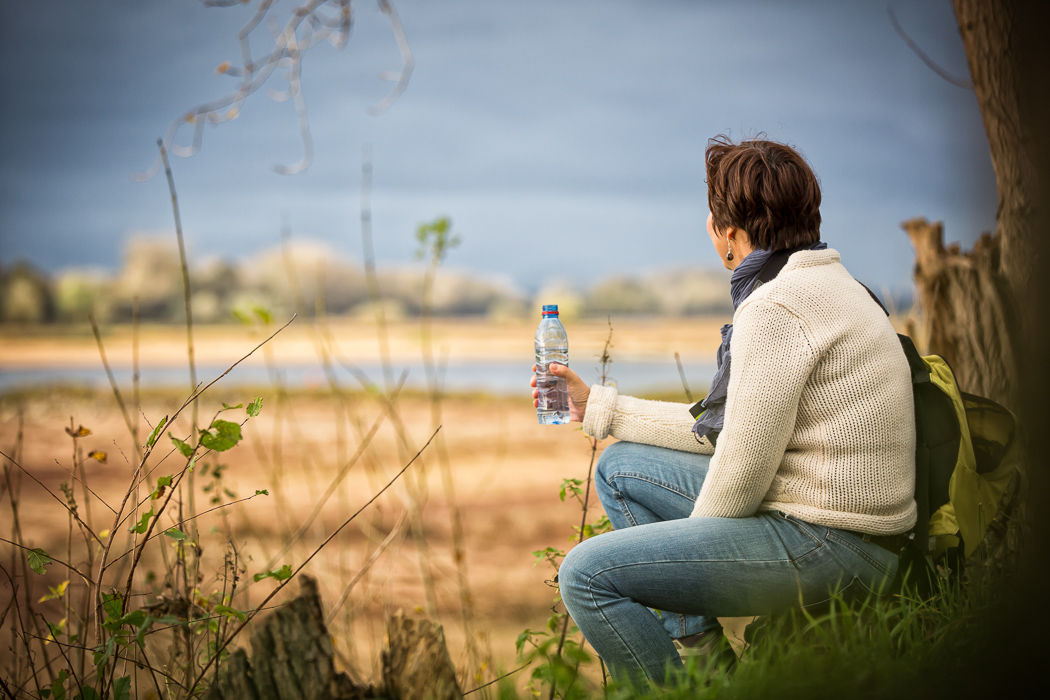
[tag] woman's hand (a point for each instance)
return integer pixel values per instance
(579, 392)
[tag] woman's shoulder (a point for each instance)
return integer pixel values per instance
(815, 288)
(808, 276)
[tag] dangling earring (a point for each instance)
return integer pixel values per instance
(729, 255)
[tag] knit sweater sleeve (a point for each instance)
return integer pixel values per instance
(660, 423)
(772, 360)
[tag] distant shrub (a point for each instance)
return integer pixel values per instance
(25, 295)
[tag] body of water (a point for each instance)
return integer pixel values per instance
(503, 378)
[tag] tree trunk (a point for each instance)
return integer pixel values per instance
(968, 307)
(977, 305)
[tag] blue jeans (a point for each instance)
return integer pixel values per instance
(695, 569)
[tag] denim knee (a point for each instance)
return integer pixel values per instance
(614, 458)
(575, 575)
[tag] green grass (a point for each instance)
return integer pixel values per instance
(900, 646)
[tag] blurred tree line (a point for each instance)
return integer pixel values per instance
(309, 277)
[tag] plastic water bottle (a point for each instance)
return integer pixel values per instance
(552, 345)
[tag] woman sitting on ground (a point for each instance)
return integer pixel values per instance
(800, 470)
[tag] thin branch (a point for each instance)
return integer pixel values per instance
(957, 82)
(65, 505)
(508, 674)
(681, 373)
(365, 442)
(307, 25)
(359, 574)
(408, 62)
(112, 380)
(155, 535)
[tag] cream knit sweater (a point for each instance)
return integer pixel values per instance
(819, 419)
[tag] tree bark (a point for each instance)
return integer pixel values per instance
(978, 305)
(292, 659)
(967, 302)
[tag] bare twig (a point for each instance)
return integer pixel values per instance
(359, 574)
(408, 62)
(605, 361)
(681, 373)
(948, 77)
(366, 441)
(508, 674)
(113, 381)
(306, 26)
(53, 495)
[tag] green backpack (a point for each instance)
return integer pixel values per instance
(967, 462)
(966, 468)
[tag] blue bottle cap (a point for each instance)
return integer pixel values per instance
(550, 309)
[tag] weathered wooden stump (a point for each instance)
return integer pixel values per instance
(416, 663)
(292, 658)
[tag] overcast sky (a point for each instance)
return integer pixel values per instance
(564, 139)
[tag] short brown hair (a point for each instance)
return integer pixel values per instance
(764, 188)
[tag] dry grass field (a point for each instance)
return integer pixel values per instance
(505, 474)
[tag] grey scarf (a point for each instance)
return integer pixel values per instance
(710, 412)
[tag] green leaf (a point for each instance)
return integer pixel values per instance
(156, 432)
(228, 407)
(38, 559)
(277, 574)
(87, 693)
(163, 482)
(254, 407)
(175, 533)
(262, 492)
(230, 612)
(185, 449)
(225, 435)
(570, 486)
(58, 686)
(103, 652)
(135, 618)
(523, 638)
(122, 688)
(111, 604)
(263, 314)
(143, 524)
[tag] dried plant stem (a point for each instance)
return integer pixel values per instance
(369, 260)
(414, 487)
(360, 573)
(319, 505)
(133, 488)
(115, 389)
(135, 373)
(459, 553)
(13, 482)
(681, 374)
(605, 361)
(53, 495)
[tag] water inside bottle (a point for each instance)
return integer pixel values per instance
(553, 407)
